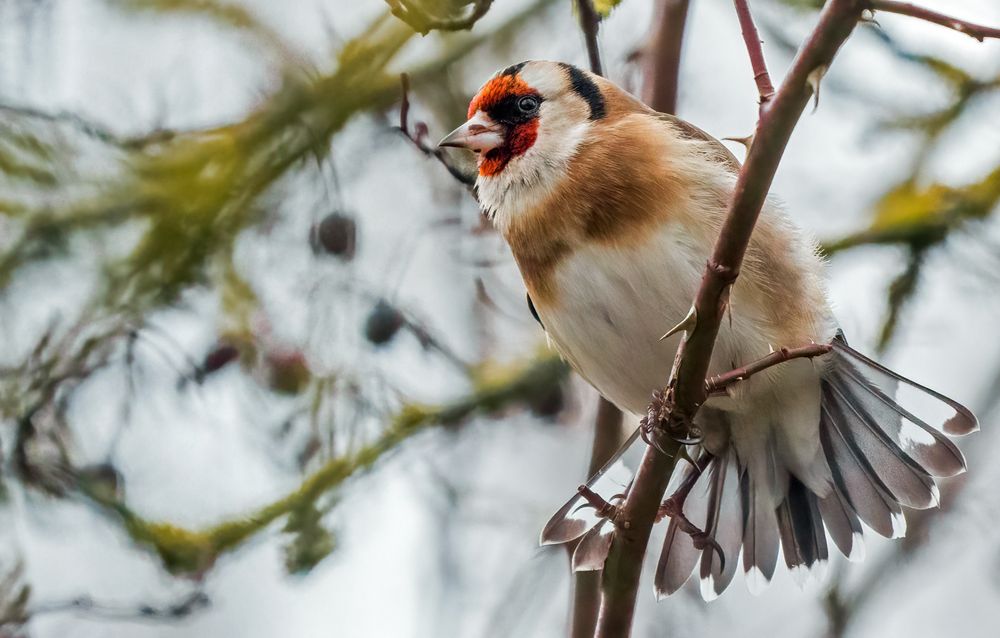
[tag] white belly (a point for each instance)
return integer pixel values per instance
(615, 304)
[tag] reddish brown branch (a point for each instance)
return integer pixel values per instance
(977, 31)
(686, 390)
(590, 23)
(721, 383)
(419, 137)
(662, 58)
(587, 585)
(752, 39)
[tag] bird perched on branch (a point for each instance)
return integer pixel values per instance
(611, 211)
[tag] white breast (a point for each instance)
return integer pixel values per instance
(614, 305)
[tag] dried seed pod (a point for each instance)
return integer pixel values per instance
(288, 372)
(336, 234)
(383, 322)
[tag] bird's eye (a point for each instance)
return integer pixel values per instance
(528, 104)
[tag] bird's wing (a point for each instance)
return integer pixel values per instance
(692, 132)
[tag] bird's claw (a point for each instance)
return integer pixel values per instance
(602, 507)
(673, 508)
(660, 421)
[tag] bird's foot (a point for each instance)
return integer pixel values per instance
(660, 421)
(602, 507)
(673, 508)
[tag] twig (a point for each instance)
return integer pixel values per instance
(587, 585)
(182, 608)
(663, 55)
(752, 39)
(720, 383)
(423, 23)
(977, 31)
(590, 23)
(419, 137)
(686, 390)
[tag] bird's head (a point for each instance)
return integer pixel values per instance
(526, 123)
(527, 105)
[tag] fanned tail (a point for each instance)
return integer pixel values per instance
(884, 438)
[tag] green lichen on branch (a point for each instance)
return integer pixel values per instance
(922, 216)
(193, 192)
(192, 552)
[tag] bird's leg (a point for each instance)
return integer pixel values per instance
(673, 507)
(661, 420)
(603, 508)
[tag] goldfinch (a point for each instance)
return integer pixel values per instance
(611, 210)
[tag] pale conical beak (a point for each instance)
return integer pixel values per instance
(479, 134)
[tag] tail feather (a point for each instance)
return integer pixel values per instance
(867, 497)
(842, 523)
(882, 437)
(592, 549)
(760, 534)
(875, 451)
(679, 555)
(803, 540)
(677, 561)
(724, 524)
(926, 445)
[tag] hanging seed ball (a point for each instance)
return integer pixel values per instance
(383, 322)
(336, 234)
(220, 356)
(288, 372)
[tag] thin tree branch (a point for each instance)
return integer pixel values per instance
(721, 383)
(686, 390)
(752, 39)
(977, 31)
(587, 589)
(663, 55)
(590, 23)
(419, 138)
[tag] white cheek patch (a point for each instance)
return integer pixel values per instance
(529, 179)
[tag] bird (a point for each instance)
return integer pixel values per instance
(610, 210)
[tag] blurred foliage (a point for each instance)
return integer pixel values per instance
(439, 15)
(192, 552)
(160, 213)
(311, 542)
(605, 7)
(228, 15)
(918, 213)
(14, 598)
